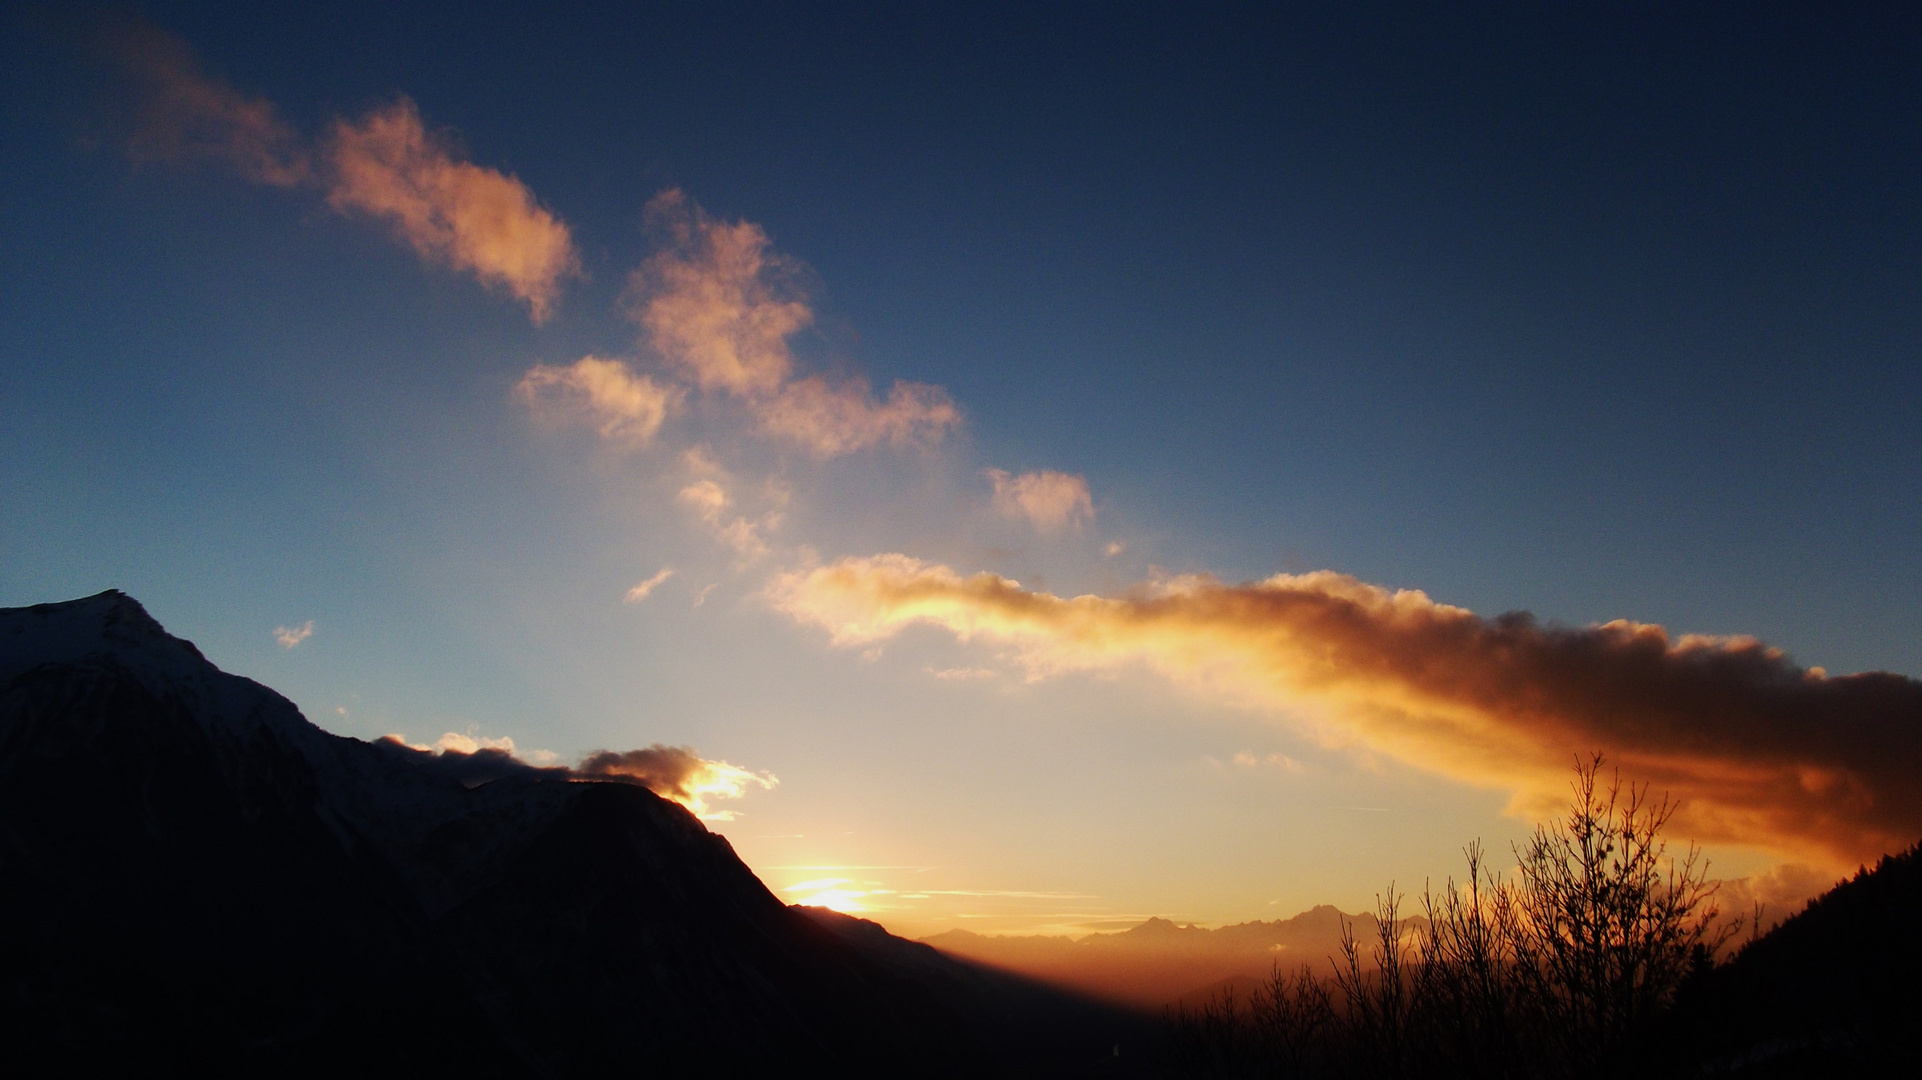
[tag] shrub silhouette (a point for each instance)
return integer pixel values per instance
(1551, 974)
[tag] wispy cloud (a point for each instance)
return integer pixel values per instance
(708, 496)
(1758, 750)
(183, 114)
(959, 674)
(717, 302)
(621, 405)
(718, 305)
(387, 164)
(641, 592)
(289, 636)
(680, 774)
(710, 501)
(450, 211)
(832, 419)
(1279, 762)
(1048, 499)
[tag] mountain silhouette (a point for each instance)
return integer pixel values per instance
(1159, 962)
(194, 879)
(1832, 991)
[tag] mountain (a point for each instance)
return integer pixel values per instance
(1160, 962)
(1832, 991)
(196, 880)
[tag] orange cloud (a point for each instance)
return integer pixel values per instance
(180, 113)
(680, 774)
(719, 304)
(1048, 499)
(623, 406)
(1758, 750)
(646, 588)
(451, 211)
(387, 164)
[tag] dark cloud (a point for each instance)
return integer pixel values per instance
(677, 773)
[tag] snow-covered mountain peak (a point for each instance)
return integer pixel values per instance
(72, 631)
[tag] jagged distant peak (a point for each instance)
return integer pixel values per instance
(1156, 925)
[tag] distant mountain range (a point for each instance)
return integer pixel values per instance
(196, 880)
(1160, 962)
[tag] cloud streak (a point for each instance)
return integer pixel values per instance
(386, 165)
(288, 637)
(677, 773)
(1759, 751)
(646, 588)
(449, 211)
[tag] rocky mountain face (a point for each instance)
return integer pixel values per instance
(195, 879)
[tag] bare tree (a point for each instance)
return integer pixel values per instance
(1550, 974)
(1466, 981)
(1604, 924)
(1376, 1005)
(1292, 1016)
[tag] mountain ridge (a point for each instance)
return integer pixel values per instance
(191, 873)
(1159, 962)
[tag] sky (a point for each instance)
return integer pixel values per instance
(1027, 467)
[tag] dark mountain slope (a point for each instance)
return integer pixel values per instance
(195, 880)
(154, 902)
(1833, 991)
(1050, 1031)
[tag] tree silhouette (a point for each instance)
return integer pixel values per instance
(1550, 974)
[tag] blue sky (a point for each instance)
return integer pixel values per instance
(1600, 318)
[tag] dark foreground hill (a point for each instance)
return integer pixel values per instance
(196, 880)
(1835, 990)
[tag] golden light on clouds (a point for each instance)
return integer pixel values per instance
(680, 774)
(1759, 751)
(837, 894)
